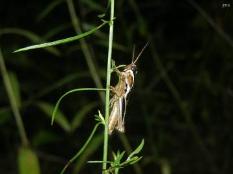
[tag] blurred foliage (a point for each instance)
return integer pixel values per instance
(28, 162)
(181, 103)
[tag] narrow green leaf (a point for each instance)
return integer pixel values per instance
(31, 36)
(28, 162)
(121, 155)
(67, 93)
(97, 162)
(100, 118)
(60, 119)
(118, 157)
(93, 146)
(130, 161)
(101, 15)
(137, 150)
(135, 160)
(82, 149)
(62, 41)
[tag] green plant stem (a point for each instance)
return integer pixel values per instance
(84, 46)
(117, 171)
(13, 102)
(110, 41)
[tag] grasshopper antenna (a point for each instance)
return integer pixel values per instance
(140, 52)
(133, 53)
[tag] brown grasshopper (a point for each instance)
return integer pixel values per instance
(120, 92)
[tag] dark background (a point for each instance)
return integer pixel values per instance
(181, 103)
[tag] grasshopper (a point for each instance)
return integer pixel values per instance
(120, 93)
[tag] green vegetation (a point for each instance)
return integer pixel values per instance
(56, 62)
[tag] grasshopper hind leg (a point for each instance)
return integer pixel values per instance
(120, 120)
(116, 121)
(113, 118)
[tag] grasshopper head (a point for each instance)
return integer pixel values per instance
(131, 67)
(134, 68)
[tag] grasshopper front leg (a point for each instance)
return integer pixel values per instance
(116, 69)
(113, 90)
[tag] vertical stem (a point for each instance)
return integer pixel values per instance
(110, 41)
(13, 103)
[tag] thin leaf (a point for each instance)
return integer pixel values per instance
(96, 162)
(82, 149)
(61, 41)
(31, 36)
(67, 93)
(135, 160)
(100, 118)
(137, 150)
(60, 119)
(118, 157)
(93, 146)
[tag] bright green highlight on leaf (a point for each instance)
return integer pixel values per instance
(62, 41)
(137, 150)
(117, 162)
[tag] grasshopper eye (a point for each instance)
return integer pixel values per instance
(134, 69)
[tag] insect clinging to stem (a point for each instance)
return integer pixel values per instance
(120, 93)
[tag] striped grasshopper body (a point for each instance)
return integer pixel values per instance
(120, 93)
